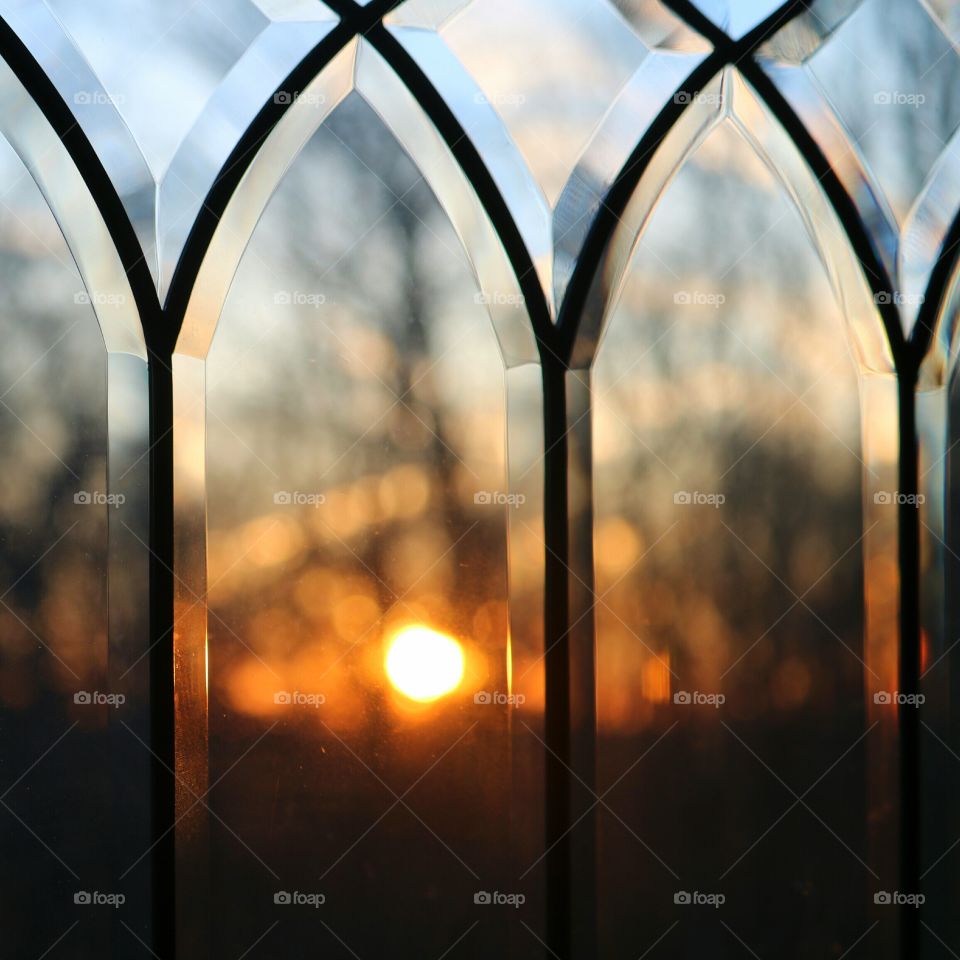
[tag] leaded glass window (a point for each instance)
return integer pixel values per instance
(478, 478)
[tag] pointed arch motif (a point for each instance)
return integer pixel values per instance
(63, 124)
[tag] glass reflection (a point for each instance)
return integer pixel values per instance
(900, 113)
(729, 557)
(553, 132)
(57, 795)
(357, 627)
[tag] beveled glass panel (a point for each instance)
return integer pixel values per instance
(549, 105)
(847, 162)
(659, 27)
(738, 17)
(897, 102)
(802, 35)
(82, 601)
(553, 131)
(938, 740)
(947, 14)
(938, 432)
(358, 631)
(128, 53)
(294, 27)
(729, 548)
(904, 194)
(57, 805)
(653, 85)
(96, 109)
(924, 235)
(165, 91)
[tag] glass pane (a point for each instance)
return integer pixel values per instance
(804, 33)
(128, 53)
(738, 17)
(553, 131)
(359, 683)
(889, 130)
(898, 103)
(938, 416)
(94, 106)
(549, 105)
(57, 804)
(289, 29)
(165, 91)
(730, 545)
(115, 449)
(660, 28)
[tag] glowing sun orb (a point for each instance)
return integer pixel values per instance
(424, 665)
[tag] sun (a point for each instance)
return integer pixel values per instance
(423, 664)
